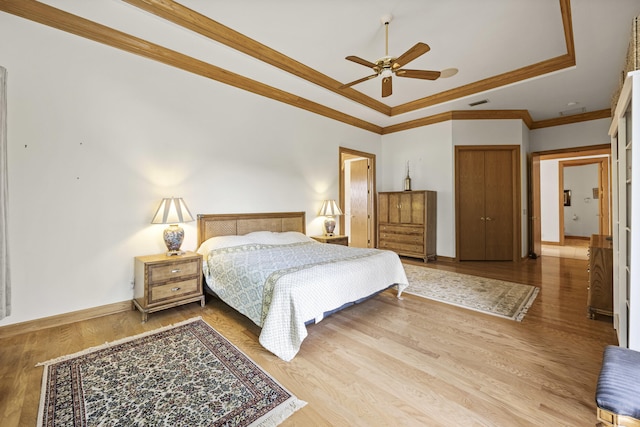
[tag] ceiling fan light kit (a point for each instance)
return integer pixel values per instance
(388, 65)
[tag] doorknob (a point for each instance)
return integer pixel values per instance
(481, 218)
(489, 218)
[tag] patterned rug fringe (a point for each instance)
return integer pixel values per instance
(283, 412)
(527, 305)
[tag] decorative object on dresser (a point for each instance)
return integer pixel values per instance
(329, 210)
(336, 239)
(172, 210)
(407, 223)
(600, 291)
(182, 374)
(163, 281)
(407, 180)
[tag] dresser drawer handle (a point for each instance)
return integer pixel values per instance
(177, 270)
(175, 289)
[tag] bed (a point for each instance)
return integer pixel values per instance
(265, 267)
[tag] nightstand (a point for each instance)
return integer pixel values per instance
(163, 281)
(336, 240)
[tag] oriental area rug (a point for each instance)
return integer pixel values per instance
(181, 375)
(496, 297)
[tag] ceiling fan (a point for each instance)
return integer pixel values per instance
(387, 66)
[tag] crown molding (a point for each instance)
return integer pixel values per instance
(180, 15)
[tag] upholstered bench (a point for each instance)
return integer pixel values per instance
(618, 391)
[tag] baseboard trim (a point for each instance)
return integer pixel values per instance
(64, 319)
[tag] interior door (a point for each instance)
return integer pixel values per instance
(470, 207)
(359, 218)
(361, 186)
(536, 224)
(499, 199)
(487, 203)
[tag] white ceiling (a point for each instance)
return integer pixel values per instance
(480, 38)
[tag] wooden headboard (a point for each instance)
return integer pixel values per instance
(211, 225)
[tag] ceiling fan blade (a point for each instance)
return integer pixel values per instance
(386, 87)
(364, 79)
(419, 74)
(361, 61)
(417, 50)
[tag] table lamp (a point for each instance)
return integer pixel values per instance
(329, 209)
(172, 211)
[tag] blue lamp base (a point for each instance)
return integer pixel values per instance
(173, 237)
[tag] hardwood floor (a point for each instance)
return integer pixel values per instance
(385, 362)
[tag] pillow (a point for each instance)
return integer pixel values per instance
(273, 238)
(222, 242)
(263, 237)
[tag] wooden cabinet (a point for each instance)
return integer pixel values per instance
(600, 291)
(407, 223)
(163, 281)
(335, 240)
(487, 203)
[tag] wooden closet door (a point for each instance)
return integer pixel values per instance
(499, 200)
(471, 204)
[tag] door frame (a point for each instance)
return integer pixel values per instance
(345, 154)
(591, 150)
(603, 189)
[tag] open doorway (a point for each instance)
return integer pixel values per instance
(357, 192)
(547, 195)
(585, 198)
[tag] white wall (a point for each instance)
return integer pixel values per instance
(549, 201)
(581, 218)
(429, 150)
(98, 136)
(431, 153)
(583, 134)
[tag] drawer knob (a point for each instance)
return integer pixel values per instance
(175, 289)
(177, 270)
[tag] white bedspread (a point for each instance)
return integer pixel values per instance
(280, 287)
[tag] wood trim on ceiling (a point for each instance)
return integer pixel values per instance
(462, 115)
(185, 17)
(203, 25)
(61, 20)
(576, 118)
(56, 18)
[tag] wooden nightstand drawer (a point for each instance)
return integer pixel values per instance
(162, 273)
(174, 290)
(163, 281)
(334, 240)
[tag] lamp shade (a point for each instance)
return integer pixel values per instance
(172, 210)
(329, 208)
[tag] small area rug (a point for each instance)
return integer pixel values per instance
(496, 297)
(181, 375)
